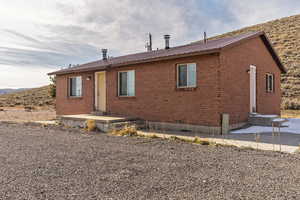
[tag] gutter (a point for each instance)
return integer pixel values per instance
(124, 64)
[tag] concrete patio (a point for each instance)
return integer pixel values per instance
(257, 137)
(104, 123)
(288, 143)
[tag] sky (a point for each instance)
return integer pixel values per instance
(41, 36)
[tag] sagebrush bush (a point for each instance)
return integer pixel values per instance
(126, 131)
(290, 104)
(91, 125)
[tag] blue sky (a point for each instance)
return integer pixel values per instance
(39, 36)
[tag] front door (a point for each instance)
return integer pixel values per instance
(252, 88)
(101, 91)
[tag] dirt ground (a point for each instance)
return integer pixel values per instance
(55, 163)
(19, 114)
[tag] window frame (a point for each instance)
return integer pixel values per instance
(268, 90)
(187, 76)
(119, 72)
(69, 87)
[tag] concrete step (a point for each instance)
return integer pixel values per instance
(104, 123)
(138, 124)
(98, 113)
(256, 119)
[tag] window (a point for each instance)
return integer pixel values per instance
(126, 83)
(269, 83)
(75, 86)
(186, 75)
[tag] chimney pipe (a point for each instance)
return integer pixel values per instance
(104, 54)
(167, 41)
(149, 46)
(205, 37)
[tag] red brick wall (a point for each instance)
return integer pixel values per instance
(157, 98)
(222, 87)
(74, 105)
(235, 81)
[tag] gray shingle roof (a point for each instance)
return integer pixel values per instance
(195, 48)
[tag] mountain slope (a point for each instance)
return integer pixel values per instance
(284, 34)
(8, 90)
(31, 97)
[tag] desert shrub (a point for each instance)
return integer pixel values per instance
(198, 140)
(290, 104)
(286, 86)
(126, 131)
(29, 108)
(175, 138)
(52, 88)
(91, 125)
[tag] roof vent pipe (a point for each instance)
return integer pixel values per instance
(149, 45)
(104, 54)
(167, 41)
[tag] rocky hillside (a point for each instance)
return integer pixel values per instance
(285, 36)
(37, 97)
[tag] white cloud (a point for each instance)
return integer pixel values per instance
(122, 25)
(23, 77)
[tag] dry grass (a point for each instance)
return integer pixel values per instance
(126, 131)
(91, 125)
(21, 115)
(290, 113)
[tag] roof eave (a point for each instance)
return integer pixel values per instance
(268, 44)
(103, 68)
(273, 53)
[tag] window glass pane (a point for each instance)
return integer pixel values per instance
(191, 74)
(182, 75)
(123, 83)
(73, 87)
(130, 83)
(270, 83)
(78, 86)
(70, 87)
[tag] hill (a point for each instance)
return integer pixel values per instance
(32, 97)
(284, 34)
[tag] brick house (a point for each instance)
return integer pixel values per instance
(193, 84)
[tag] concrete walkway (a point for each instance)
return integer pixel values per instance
(288, 143)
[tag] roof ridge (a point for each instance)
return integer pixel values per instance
(195, 48)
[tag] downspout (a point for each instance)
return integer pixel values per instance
(219, 90)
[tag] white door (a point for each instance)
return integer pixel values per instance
(100, 91)
(252, 88)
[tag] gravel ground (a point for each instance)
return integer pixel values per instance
(19, 114)
(52, 163)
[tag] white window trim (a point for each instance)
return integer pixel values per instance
(273, 83)
(177, 68)
(119, 83)
(69, 87)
